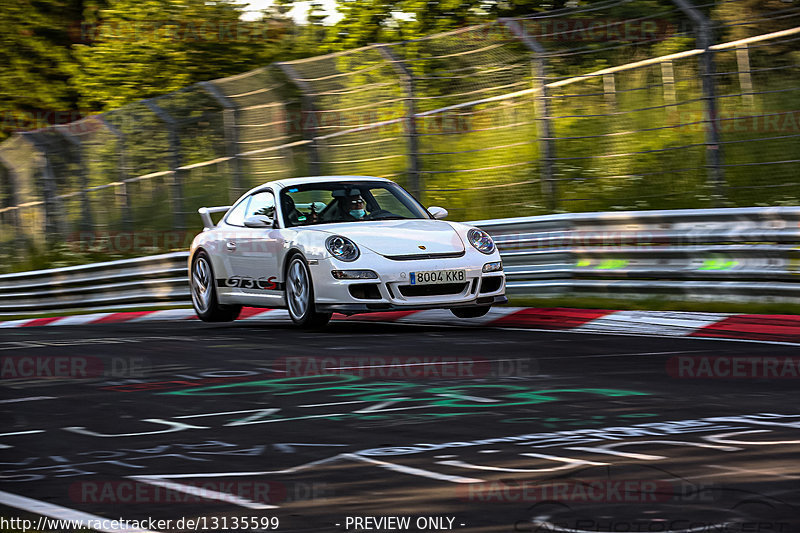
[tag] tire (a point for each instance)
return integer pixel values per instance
(470, 312)
(299, 294)
(204, 292)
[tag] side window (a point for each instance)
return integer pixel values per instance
(261, 203)
(388, 201)
(236, 215)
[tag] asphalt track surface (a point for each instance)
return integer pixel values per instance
(450, 428)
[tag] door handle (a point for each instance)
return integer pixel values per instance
(230, 246)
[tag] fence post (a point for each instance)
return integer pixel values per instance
(121, 190)
(610, 89)
(53, 212)
(542, 103)
(13, 182)
(407, 78)
(86, 218)
(668, 82)
(309, 127)
(702, 27)
(745, 79)
(230, 119)
(175, 162)
(11, 204)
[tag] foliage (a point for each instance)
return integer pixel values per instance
(374, 21)
(145, 48)
(35, 51)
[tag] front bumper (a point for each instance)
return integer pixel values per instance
(354, 309)
(392, 291)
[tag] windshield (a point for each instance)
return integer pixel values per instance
(324, 203)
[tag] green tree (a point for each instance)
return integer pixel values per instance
(36, 37)
(370, 21)
(141, 48)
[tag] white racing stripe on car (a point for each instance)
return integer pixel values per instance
(673, 323)
(444, 316)
(78, 319)
(166, 314)
(269, 315)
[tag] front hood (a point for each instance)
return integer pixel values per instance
(400, 237)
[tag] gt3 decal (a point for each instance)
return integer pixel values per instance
(246, 282)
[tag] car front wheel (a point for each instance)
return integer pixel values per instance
(300, 295)
(204, 293)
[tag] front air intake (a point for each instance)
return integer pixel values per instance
(432, 290)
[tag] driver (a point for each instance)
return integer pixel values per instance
(354, 206)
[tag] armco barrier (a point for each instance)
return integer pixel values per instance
(144, 281)
(742, 254)
(750, 254)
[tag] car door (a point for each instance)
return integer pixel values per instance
(224, 246)
(253, 255)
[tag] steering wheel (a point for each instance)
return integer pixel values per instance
(380, 213)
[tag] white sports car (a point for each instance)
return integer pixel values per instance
(344, 244)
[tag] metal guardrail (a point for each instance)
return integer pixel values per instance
(741, 254)
(140, 282)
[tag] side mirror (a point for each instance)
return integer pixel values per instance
(258, 221)
(437, 212)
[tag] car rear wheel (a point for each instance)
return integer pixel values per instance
(300, 295)
(204, 293)
(470, 312)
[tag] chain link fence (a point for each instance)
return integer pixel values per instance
(590, 109)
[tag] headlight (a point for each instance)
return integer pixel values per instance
(342, 248)
(481, 241)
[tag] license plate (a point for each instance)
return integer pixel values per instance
(437, 276)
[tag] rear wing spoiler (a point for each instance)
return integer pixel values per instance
(206, 212)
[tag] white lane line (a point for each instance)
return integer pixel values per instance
(291, 470)
(334, 403)
(569, 463)
(627, 455)
(374, 409)
(22, 432)
(671, 323)
(52, 510)
(266, 411)
(206, 494)
(412, 471)
(28, 399)
(737, 470)
(379, 406)
(78, 320)
(630, 354)
(471, 398)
